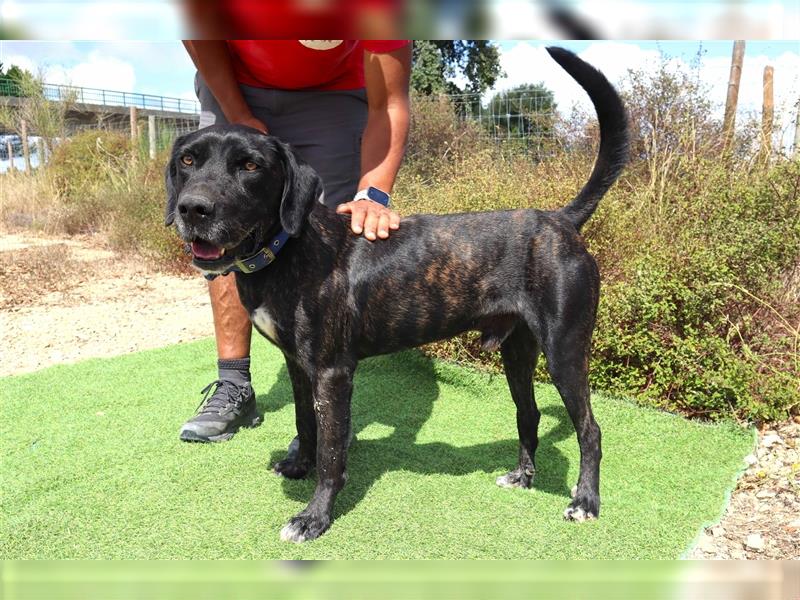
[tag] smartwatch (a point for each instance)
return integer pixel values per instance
(374, 194)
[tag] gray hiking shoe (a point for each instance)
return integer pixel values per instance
(222, 412)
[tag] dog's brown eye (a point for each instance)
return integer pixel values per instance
(250, 166)
(187, 160)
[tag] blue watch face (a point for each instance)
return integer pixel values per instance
(377, 195)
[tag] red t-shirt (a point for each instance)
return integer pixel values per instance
(305, 64)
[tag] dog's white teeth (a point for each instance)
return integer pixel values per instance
(222, 252)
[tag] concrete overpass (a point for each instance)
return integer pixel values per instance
(92, 106)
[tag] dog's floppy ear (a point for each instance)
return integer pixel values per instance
(301, 188)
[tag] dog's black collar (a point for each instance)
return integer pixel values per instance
(249, 264)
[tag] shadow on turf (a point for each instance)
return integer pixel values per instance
(400, 394)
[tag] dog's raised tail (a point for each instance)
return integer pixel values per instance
(613, 153)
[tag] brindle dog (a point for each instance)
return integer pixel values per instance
(523, 278)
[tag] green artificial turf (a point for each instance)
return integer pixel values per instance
(92, 467)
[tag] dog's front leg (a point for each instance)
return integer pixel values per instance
(332, 387)
(302, 450)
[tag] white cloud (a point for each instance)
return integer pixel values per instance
(98, 71)
(527, 62)
(19, 60)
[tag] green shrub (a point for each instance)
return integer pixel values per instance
(437, 136)
(82, 168)
(138, 207)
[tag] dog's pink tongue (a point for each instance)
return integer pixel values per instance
(206, 251)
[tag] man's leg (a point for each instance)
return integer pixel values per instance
(232, 402)
(232, 328)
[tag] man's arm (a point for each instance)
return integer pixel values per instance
(213, 60)
(384, 140)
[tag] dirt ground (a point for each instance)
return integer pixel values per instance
(64, 300)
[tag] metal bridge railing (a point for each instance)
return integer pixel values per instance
(100, 97)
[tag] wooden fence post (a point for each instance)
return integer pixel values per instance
(26, 152)
(134, 125)
(10, 156)
(151, 135)
(735, 77)
(767, 112)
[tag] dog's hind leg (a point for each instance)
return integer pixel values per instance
(519, 352)
(567, 350)
(301, 457)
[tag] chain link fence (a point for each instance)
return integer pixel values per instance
(524, 116)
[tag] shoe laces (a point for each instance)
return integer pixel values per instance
(224, 397)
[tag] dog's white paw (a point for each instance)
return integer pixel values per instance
(304, 527)
(576, 513)
(518, 478)
(293, 532)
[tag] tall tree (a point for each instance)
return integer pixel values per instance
(437, 62)
(12, 80)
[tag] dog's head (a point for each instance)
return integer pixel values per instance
(230, 186)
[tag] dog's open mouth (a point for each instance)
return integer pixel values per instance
(210, 255)
(204, 250)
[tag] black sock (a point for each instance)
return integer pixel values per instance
(236, 370)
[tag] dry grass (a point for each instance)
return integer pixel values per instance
(30, 201)
(28, 274)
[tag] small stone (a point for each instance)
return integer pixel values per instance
(770, 440)
(754, 542)
(750, 459)
(795, 524)
(717, 531)
(765, 494)
(706, 544)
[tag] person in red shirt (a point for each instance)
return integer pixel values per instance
(343, 105)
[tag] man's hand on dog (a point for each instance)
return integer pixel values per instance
(371, 218)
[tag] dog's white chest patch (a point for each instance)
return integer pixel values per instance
(263, 321)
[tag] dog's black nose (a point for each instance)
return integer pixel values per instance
(195, 209)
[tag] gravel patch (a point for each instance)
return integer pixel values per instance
(762, 520)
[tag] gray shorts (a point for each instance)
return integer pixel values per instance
(324, 128)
